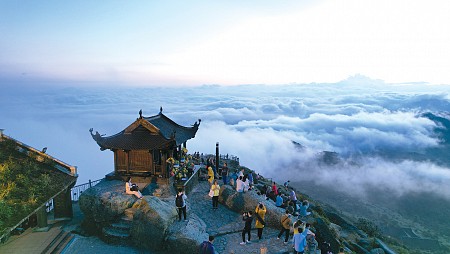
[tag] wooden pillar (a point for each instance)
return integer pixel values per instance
(115, 161)
(63, 204)
(128, 161)
(42, 217)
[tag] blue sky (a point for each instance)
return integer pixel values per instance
(223, 42)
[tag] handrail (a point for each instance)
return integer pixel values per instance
(76, 191)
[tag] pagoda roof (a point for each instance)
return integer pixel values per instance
(169, 128)
(147, 133)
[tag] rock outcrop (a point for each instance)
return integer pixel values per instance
(247, 201)
(185, 238)
(152, 218)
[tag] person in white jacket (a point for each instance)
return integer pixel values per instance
(239, 185)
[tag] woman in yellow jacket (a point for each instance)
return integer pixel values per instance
(260, 213)
(210, 175)
(215, 189)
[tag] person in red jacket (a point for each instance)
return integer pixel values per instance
(274, 188)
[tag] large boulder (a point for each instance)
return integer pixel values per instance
(151, 220)
(102, 204)
(105, 201)
(247, 201)
(185, 237)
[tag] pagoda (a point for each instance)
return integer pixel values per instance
(142, 148)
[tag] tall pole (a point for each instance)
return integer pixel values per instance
(217, 157)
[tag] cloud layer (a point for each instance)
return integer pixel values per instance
(366, 121)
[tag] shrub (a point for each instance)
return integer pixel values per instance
(369, 227)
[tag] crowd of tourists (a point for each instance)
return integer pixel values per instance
(303, 238)
(292, 223)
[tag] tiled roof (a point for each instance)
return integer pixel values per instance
(147, 133)
(169, 128)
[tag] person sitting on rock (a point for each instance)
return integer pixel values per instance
(279, 201)
(132, 189)
(303, 208)
(239, 185)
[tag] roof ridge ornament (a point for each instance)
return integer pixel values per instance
(197, 124)
(160, 110)
(140, 114)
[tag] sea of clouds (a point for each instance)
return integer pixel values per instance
(365, 121)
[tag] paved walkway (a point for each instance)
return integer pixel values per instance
(227, 226)
(30, 241)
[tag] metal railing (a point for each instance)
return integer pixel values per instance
(77, 190)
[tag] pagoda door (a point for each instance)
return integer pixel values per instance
(141, 161)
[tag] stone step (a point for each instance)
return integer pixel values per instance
(56, 242)
(124, 226)
(65, 242)
(117, 237)
(129, 213)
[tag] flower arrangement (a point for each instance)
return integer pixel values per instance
(178, 168)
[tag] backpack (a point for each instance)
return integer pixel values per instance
(179, 200)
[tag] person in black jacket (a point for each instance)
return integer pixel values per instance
(207, 247)
(247, 217)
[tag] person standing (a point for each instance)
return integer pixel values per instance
(285, 226)
(210, 175)
(293, 198)
(225, 173)
(215, 188)
(180, 202)
(274, 189)
(247, 217)
(260, 213)
(207, 247)
(299, 241)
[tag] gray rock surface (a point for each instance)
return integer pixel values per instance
(247, 201)
(151, 220)
(185, 237)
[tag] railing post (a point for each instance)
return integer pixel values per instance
(217, 157)
(90, 183)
